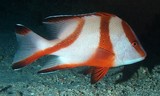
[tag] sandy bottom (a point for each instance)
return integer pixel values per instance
(26, 82)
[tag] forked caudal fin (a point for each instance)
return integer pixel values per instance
(30, 46)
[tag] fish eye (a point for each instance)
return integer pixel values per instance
(134, 43)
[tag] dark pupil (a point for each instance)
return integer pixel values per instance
(134, 43)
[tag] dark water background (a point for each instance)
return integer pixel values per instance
(142, 15)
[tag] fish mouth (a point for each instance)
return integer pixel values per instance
(139, 59)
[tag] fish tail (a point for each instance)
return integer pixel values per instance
(30, 46)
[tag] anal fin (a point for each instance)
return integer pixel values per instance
(56, 63)
(58, 67)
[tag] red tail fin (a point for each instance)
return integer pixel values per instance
(30, 46)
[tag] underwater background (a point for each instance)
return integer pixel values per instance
(141, 79)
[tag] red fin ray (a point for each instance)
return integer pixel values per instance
(88, 71)
(98, 73)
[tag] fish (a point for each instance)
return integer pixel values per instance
(98, 40)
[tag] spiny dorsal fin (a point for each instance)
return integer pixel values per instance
(57, 18)
(62, 26)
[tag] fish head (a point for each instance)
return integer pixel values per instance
(133, 52)
(128, 49)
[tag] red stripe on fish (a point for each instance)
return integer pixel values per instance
(104, 54)
(28, 60)
(69, 40)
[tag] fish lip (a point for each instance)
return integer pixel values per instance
(143, 58)
(145, 55)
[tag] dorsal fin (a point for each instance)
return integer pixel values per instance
(57, 18)
(61, 29)
(62, 26)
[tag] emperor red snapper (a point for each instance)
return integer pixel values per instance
(99, 40)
